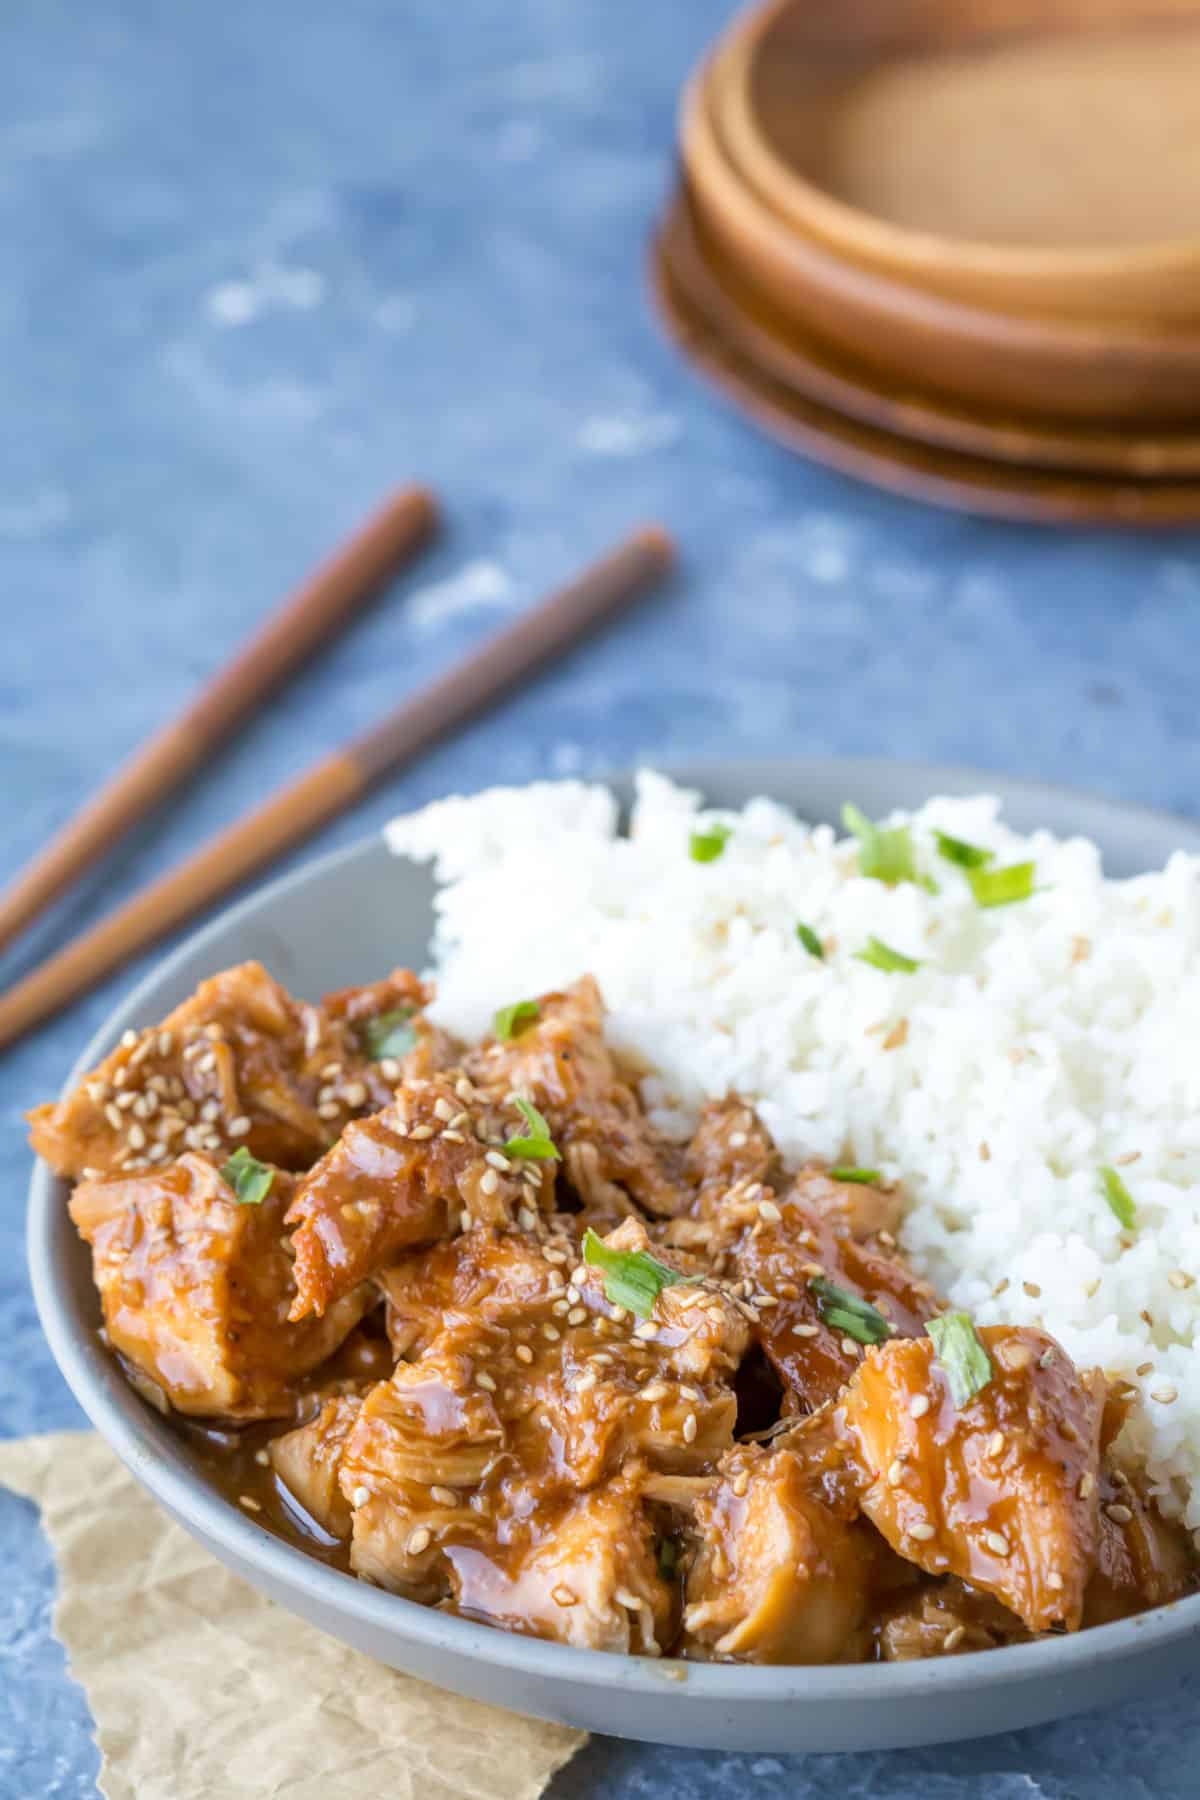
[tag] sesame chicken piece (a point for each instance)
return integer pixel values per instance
(783, 1570)
(862, 1210)
(308, 1461)
(590, 1580)
(1142, 1559)
(730, 1145)
(526, 1388)
(196, 1290)
(409, 1175)
(776, 1246)
(1001, 1491)
(562, 1063)
(945, 1618)
(239, 1062)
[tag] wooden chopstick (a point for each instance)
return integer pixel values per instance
(336, 782)
(306, 619)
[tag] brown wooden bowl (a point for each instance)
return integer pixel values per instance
(919, 471)
(1042, 367)
(762, 337)
(1037, 156)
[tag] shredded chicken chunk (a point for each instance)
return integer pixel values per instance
(197, 1289)
(240, 1062)
(1001, 1490)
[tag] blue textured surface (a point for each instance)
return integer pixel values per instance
(260, 264)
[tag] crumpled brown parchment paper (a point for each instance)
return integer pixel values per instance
(200, 1686)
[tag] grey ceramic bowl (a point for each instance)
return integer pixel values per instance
(348, 918)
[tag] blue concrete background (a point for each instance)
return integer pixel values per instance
(261, 263)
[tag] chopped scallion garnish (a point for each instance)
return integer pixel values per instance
(849, 1313)
(959, 1352)
(535, 1141)
(706, 846)
(882, 956)
(1000, 887)
(249, 1179)
(863, 1177)
(811, 941)
(390, 1034)
(1118, 1196)
(512, 1020)
(632, 1278)
(957, 850)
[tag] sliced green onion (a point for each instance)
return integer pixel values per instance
(811, 941)
(706, 846)
(249, 1179)
(864, 1177)
(390, 1034)
(885, 852)
(959, 1352)
(849, 1313)
(957, 850)
(1000, 887)
(632, 1278)
(1120, 1200)
(535, 1141)
(882, 956)
(512, 1020)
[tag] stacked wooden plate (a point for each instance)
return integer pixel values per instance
(953, 246)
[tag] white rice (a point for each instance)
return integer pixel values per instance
(1044, 1039)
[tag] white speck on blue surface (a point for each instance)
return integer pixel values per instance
(247, 293)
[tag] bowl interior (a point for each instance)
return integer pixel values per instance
(1040, 154)
(345, 919)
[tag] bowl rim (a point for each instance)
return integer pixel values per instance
(857, 231)
(130, 1426)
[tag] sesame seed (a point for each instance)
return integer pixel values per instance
(157, 1153)
(922, 1532)
(850, 1347)
(577, 1315)
(1119, 1513)
(805, 1331)
(497, 1161)
(954, 1637)
(166, 1042)
(895, 1473)
(738, 1140)
(90, 1174)
(141, 1053)
(995, 1443)
(489, 1181)
(240, 1126)
(207, 1063)
(1055, 1581)
(453, 1137)
(769, 1212)
(328, 1092)
(580, 1275)
(127, 1100)
(562, 1595)
(1086, 1484)
(1164, 1395)
(249, 1503)
(463, 1088)
(996, 1542)
(330, 1110)
(389, 1068)
(355, 1093)
(113, 1116)
(484, 1380)
(1179, 1278)
(98, 1091)
(586, 1381)
(524, 1353)
(1032, 1289)
(558, 1257)
(128, 1040)
(1146, 1368)
(1016, 1356)
(210, 1112)
(647, 1331)
(689, 1429)
(421, 1133)
(655, 1390)
(137, 1138)
(918, 1406)
(444, 1496)
(262, 1458)
(551, 1333)
(442, 1109)
(420, 1540)
(360, 1496)
(526, 1219)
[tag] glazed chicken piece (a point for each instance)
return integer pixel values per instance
(784, 1569)
(240, 1062)
(774, 1247)
(1001, 1491)
(945, 1618)
(1142, 1559)
(592, 1580)
(528, 1389)
(196, 1290)
(308, 1460)
(562, 1063)
(429, 1164)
